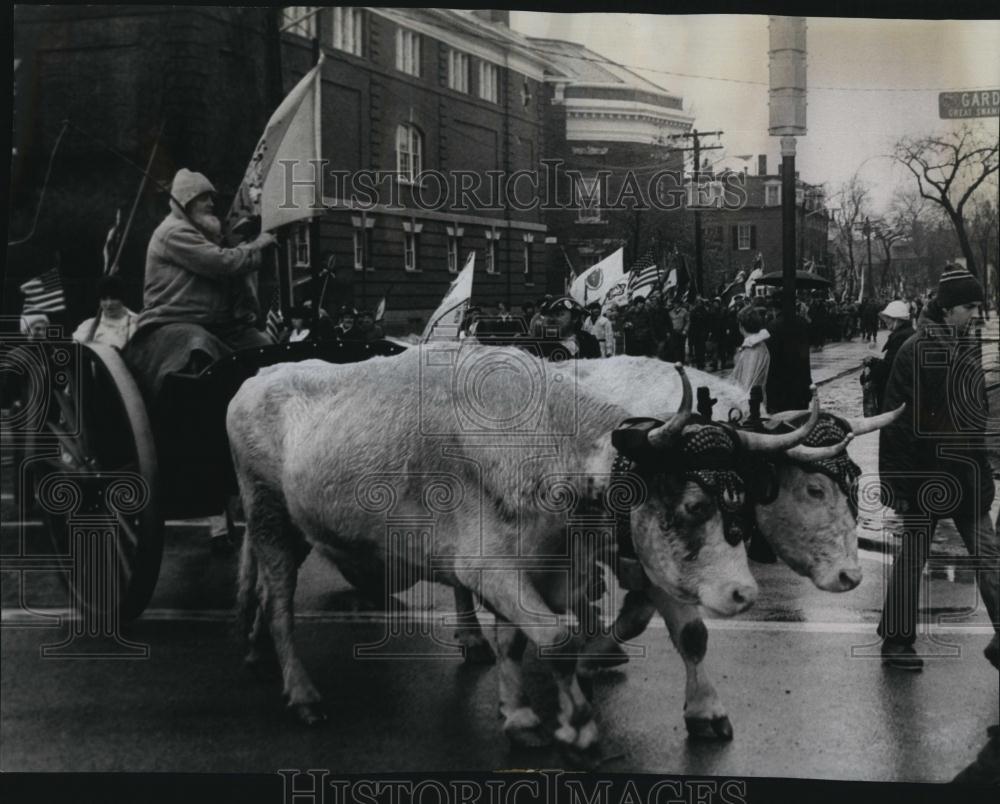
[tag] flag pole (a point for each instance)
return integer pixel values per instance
(113, 268)
(314, 239)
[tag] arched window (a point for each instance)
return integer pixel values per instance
(409, 152)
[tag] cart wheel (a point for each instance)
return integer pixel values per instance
(95, 457)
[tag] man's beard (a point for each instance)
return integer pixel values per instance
(209, 224)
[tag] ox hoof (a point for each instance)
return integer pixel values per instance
(308, 714)
(524, 729)
(703, 728)
(479, 653)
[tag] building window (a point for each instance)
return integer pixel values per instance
(588, 200)
(490, 255)
(410, 251)
(408, 51)
(300, 246)
(745, 236)
(489, 82)
(772, 195)
(458, 71)
(454, 247)
(409, 153)
(303, 27)
(363, 230)
(348, 30)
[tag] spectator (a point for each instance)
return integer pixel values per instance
(599, 326)
(301, 329)
(790, 375)
(34, 326)
(897, 317)
(698, 331)
(367, 328)
(946, 406)
(752, 358)
(639, 329)
(679, 321)
(345, 328)
(115, 323)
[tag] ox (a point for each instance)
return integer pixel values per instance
(809, 519)
(306, 437)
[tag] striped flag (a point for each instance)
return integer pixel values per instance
(645, 276)
(44, 293)
(112, 242)
(275, 320)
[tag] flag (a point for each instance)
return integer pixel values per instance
(275, 320)
(645, 276)
(112, 242)
(594, 283)
(446, 320)
(380, 310)
(292, 135)
(44, 293)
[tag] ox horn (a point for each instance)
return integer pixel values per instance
(809, 454)
(776, 442)
(661, 437)
(870, 423)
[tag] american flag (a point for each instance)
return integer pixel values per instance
(646, 275)
(275, 320)
(44, 293)
(112, 242)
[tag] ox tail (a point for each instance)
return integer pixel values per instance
(247, 599)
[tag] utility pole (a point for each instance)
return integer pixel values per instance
(696, 146)
(868, 281)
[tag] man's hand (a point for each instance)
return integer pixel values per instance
(265, 239)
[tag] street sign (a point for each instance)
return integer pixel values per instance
(958, 105)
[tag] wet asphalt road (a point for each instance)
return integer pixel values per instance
(799, 674)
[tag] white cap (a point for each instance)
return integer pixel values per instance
(896, 309)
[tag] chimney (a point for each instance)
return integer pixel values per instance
(762, 164)
(493, 15)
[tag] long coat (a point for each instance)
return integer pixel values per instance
(941, 381)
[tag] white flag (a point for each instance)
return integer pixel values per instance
(594, 283)
(288, 150)
(446, 321)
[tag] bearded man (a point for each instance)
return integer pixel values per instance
(191, 278)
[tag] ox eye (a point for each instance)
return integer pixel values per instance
(816, 492)
(697, 510)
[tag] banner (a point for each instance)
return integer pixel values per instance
(445, 322)
(289, 148)
(594, 283)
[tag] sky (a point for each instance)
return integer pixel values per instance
(869, 81)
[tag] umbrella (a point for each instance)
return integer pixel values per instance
(803, 279)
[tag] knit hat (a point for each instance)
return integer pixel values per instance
(958, 286)
(188, 185)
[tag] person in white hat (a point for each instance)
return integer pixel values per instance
(190, 277)
(896, 316)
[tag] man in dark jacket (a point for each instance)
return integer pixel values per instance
(933, 458)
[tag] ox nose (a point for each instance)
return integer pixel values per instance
(743, 596)
(849, 578)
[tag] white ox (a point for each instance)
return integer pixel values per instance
(307, 438)
(809, 523)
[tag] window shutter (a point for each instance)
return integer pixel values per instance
(753, 237)
(736, 237)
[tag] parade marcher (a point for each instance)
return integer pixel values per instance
(345, 327)
(368, 330)
(561, 335)
(527, 316)
(117, 322)
(897, 316)
(301, 329)
(698, 331)
(869, 320)
(639, 329)
(938, 375)
(818, 318)
(34, 326)
(752, 358)
(679, 322)
(189, 274)
(713, 332)
(599, 326)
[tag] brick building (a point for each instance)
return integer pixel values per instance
(405, 91)
(735, 233)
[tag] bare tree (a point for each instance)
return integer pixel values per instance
(948, 170)
(852, 202)
(887, 232)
